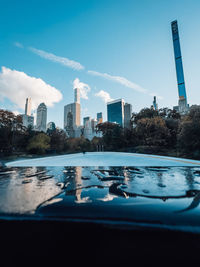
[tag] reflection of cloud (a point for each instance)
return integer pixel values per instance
(80, 200)
(61, 60)
(107, 197)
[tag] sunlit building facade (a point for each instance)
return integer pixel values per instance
(182, 104)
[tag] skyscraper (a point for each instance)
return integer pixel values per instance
(155, 105)
(27, 118)
(77, 95)
(115, 111)
(28, 106)
(127, 115)
(41, 118)
(183, 106)
(99, 117)
(72, 116)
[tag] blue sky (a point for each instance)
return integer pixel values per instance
(123, 48)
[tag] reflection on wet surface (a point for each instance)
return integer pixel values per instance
(165, 195)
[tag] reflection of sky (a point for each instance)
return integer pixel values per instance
(87, 185)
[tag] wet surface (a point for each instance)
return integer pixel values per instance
(154, 196)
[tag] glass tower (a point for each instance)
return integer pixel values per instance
(115, 111)
(179, 67)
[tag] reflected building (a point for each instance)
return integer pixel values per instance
(183, 107)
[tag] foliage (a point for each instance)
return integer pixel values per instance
(153, 132)
(188, 139)
(38, 144)
(58, 139)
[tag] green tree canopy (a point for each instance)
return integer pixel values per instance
(38, 144)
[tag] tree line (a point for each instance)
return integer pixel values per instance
(162, 131)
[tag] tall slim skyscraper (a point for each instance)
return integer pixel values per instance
(127, 115)
(28, 106)
(115, 111)
(41, 122)
(72, 116)
(155, 105)
(183, 106)
(77, 95)
(27, 118)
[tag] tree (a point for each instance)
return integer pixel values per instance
(152, 132)
(112, 135)
(38, 144)
(189, 133)
(144, 113)
(11, 130)
(58, 140)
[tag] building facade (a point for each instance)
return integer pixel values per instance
(51, 127)
(155, 105)
(182, 103)
(127, 115)
(99, 117)
(27, 118)
(115, 111)
(28, 106)
(41, 121)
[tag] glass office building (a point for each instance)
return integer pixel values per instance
(115, 111)
(179, 67)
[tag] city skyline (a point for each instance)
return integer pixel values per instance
(131, 59)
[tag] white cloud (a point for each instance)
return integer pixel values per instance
(17, 44)
(120, 80)
(84, 88)
(104, 96)
(16, 112)
(61, 60)
(17, 86)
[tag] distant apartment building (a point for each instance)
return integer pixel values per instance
(99, 117)
(115, 111)
(41, 121)
(27, 118)
(127, 115)
(89, 128)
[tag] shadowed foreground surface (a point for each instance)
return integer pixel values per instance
(45, 243)
(105, 216)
